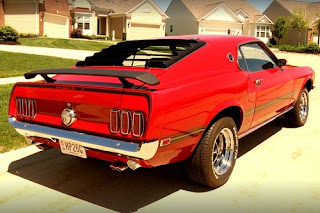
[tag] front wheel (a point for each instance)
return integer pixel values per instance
(213, 160)
(298, 115)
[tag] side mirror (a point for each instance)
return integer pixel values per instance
(267, 66)
(282, 62)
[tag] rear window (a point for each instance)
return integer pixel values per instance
(145, 53)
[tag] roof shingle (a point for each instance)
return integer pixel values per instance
(312, 8)
(200, 8)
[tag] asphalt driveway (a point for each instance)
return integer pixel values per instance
(277, 171)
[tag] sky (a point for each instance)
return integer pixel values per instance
(261, 5)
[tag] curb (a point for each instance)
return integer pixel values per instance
(8, 157)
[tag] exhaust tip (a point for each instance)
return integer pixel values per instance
(133, 165)
(118, 167)
(43, 146)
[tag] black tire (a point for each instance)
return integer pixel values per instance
(299, 114)
(203, 166)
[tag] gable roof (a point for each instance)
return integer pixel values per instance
(220, 6)
(124, 6)
(200, 8)
(312, 8)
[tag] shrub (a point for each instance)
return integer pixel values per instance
(76, 33)
(28, 35)
(313, 48)
(88, 37)
(7, 33)
(291, 48)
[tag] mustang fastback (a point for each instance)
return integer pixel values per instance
(148, 103)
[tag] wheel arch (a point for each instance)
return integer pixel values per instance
(308, 84)
(233, 110)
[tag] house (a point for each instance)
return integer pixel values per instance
(49, 17)
(217, 17)
(285, 8)
(120, 19)
(1, 14)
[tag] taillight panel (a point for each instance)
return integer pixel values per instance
(26, 108)
(127, 123)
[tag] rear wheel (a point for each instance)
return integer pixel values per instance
(213, 160)
(298, 115)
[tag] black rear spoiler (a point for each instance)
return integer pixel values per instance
(145, 77)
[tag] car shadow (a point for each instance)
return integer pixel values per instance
(93, 181)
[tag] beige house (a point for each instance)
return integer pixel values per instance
(120, 19)
(285, 8)
(217, 17)
(48, 17)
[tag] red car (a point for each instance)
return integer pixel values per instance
(154, 102)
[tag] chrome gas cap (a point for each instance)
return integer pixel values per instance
(68, 117)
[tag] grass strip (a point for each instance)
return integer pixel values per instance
(9, 138)
(16, 64)
(65, 43)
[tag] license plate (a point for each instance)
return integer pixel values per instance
(72, 148)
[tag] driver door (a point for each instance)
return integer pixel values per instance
(267, 80)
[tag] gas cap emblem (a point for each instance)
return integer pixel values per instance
(230, 57)
(68, 117)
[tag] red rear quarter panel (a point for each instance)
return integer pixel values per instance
(192, 92)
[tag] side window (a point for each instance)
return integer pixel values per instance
(257, 59)
(241, 62)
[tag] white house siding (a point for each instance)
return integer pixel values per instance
(56, 26)
(94, 24)
(181, 21)
(220, 21)
(145, 22)
(24, 17)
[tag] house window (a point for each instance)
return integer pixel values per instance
(83, 22)
(263, 31)
(171, 28)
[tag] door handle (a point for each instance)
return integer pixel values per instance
(258, 81)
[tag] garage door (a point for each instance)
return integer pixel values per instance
(143, 31)
(212, 31)
(21, 16)
(56, 26)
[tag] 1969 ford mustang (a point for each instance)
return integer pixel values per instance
(148, 103)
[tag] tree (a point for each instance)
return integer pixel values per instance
(318, 29)
(298, 21)
(280, 28)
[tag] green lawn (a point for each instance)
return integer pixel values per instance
(65, 43)
(16, 64)
(9, 138)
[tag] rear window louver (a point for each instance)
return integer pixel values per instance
(148, 53)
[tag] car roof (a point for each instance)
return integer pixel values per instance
(234, 39)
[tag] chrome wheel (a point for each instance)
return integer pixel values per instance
(303, 108)
(223, 151)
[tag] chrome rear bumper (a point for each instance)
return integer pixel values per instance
(144, 151)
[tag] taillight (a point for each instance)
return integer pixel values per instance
(137, 124)
(126, 122)
(115, 121)
(26, 107)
